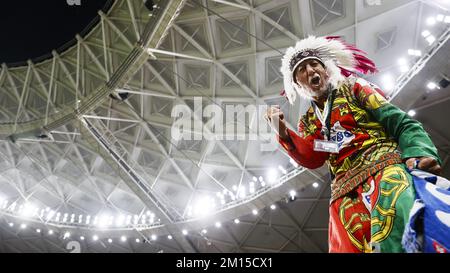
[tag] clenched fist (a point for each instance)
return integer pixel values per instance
(275, 117)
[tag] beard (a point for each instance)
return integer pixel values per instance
(306, 92)
(322, 94)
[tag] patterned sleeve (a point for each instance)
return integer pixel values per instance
(301, 149)
(409, 133)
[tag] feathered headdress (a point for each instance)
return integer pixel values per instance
(339, 58)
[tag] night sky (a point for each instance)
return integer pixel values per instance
(32, 28)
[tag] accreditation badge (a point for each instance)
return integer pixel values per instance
(326, 146)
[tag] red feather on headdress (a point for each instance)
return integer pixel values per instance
(363, 64)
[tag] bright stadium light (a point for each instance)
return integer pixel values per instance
(431, 21)
(388, 82)
(431, 85)
(425, 33)
(272, 175)
(430, 39)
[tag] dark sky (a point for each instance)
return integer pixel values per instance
(31, 28)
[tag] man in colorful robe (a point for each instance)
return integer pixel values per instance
(367, 143)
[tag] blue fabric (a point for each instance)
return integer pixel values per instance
(411, 241)
(432, 210)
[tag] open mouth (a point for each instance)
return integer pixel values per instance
(315, 80)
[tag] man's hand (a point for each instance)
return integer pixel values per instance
(275, 117)
(427, 164)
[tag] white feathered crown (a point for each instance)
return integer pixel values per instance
(340, 60)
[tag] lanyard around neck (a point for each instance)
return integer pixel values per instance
(325, 116)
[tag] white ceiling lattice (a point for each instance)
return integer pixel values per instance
(326, 11)
(222, 64)
(386, 38)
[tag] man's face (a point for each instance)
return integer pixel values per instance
(312, 75)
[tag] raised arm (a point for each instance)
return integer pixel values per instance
(299, 148)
